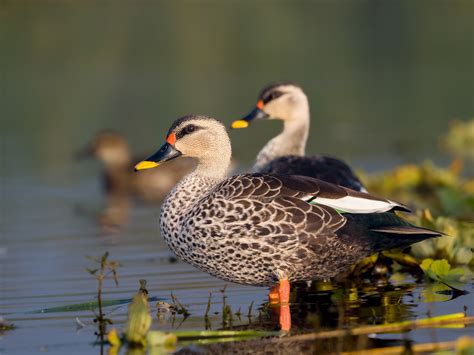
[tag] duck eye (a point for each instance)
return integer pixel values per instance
(191, 128)
(272, 96)
(275, 95)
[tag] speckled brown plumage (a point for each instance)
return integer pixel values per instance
(256, 229)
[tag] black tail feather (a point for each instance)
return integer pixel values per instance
(408, 230)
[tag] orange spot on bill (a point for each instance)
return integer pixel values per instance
(171, 138)
(260, 104)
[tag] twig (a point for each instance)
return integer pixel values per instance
(416, 348)
(386, 328)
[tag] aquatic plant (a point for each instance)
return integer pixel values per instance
(456, 247)
(441, 271)
(106, 269)
(178, 307)
(4, 326)
(137, 333)
(138, 321)
(444, 190)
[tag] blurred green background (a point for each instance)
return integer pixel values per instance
(384, 78)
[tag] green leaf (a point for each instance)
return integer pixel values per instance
(440, 267)
(88, 306)
(138, 321)
(440, 270)
(426, 263)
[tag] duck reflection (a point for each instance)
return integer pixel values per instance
(120, 183)
(327, 306)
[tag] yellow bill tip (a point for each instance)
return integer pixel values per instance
(240, 124)
(146, 164)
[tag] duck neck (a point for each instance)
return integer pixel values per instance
(212, 168)
(209, 172)
(291, 141)
(190, 189)
(116, 177)
(180, 200)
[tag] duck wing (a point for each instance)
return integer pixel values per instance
(325, 168)
(312, 191)
(271, 205)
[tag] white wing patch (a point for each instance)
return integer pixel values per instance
(353, 204)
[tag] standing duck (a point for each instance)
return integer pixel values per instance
(285, 154)
(267, 229)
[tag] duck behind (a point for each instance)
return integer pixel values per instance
(113, 151)
(285, 153)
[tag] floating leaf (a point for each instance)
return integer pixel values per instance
(440, 270)
(87, 306)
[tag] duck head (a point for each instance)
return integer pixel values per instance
(200, 137)
(284, 101)
(109, 147)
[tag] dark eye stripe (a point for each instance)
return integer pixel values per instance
(272, 95)
(187, 130)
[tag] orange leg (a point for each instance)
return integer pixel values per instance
(284, 291)
(285, 317)
(285, 314)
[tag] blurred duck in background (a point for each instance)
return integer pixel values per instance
(285, 154)
(112, 150)
(120, 183)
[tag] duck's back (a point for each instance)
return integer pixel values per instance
(319, 167)
(249, 228)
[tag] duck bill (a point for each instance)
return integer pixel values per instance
(244, 122)
(165, 153)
